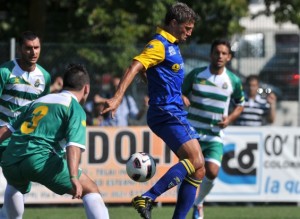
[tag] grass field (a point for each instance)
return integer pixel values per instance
(165, 212)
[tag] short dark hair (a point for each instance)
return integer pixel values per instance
(75, 77)
(181, 13)
(217, 42)
(251, 78)
(27, 35)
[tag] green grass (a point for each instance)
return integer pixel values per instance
(165, 212)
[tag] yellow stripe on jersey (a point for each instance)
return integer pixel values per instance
(192, 181)
(188, 166)
(154, 51)
(153, 54)
(167, 35)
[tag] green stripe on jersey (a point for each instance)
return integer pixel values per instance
(206, 132)
(202, 119)
(207, 108)
(210, 95)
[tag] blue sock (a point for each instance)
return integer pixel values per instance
(172, 178)
(186, 197)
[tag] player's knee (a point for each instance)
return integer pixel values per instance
(211, 174)
(195, 168)
(198, 163)
(200, 173)
(212, 170)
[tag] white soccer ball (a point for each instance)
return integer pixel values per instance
(140, 167)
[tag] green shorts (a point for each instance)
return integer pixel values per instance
(1, 152)
(50, 170)
(212, 151)
(3, 146)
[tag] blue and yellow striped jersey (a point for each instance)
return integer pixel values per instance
(164, 68)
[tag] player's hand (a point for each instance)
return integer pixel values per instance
(111, 105)
(186, 101)
(224, 123)
(99, 99)
(77, 188)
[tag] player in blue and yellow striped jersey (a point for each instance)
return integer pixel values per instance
(163, 64)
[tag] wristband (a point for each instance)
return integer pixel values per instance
(74, 177)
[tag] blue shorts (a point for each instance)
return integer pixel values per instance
(171, 125)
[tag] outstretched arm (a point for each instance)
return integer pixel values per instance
(113, 103)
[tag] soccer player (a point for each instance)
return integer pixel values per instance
(210, 90)
(35, 153)
(22, 81)
(163, 65)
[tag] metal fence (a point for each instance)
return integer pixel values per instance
(277, 63)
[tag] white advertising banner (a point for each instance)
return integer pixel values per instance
(259, 165)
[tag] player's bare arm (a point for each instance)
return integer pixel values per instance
(186, 100)
(113, 103)
(233, 116)
(5, 133)
(73, 159)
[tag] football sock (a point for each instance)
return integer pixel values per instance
(94, 206)
(186, 197)
(13, 203)
(205, 188)
(172, 178)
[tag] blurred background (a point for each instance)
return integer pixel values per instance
(106, 35)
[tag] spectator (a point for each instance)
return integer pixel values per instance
(143, 120)
(127, 111)
(56, 83)
(260, 104)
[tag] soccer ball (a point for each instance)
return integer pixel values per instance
(140, 167)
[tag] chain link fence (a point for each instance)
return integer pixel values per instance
(277, 65)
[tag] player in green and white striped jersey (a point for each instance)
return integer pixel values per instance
(22, 81)
(208, 92)
(20, 84)
(34, 150)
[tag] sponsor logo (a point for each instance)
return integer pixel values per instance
(225, 86)
(171, 50)
(175, 67)
(37, 83)
(145, 160)
(239, 167)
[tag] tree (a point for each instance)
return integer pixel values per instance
(123, 26)
(219, 18)
(284, 10)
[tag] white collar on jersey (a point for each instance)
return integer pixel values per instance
(70, 93)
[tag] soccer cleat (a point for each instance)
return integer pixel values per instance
(198, 212)
(143, 205)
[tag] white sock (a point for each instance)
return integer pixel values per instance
(205, 188)
(13, 203)
(94, 206)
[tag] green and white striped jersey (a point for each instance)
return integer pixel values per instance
(19, 88)
(210, 97)
(44, 125)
